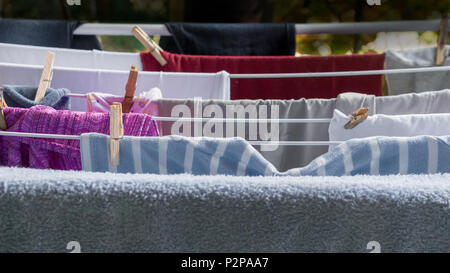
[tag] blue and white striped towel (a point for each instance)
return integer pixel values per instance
(235, 156)
(175, 155)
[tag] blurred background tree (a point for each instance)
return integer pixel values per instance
(245, 11)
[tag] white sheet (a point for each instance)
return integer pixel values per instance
(95, 59)
(77, 80)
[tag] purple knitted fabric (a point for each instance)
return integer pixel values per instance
(60, 154)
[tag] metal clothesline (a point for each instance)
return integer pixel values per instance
(254, 143)
(242, 120)
(315, 28)
(342, 73)
(284, 75)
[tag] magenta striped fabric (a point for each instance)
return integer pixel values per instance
(60, 154)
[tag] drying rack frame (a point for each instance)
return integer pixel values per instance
(320, 28)
(316, 28)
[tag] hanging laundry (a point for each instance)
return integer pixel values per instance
(144, 103)
(416, 82)
(51, 33)
(23, 97)
(230, 39)
(75, 58)
(287, 88)
(289, 157)
(390, 125)
(282, 157)
(236, 157)
(61, 154)
(78, 80)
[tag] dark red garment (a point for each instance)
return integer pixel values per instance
(291, 88)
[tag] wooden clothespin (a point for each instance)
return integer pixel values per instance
(442, 40)
(149, 44)
(46, 77)
(3, 124)
(115, 131)
(357, 117)
(129, 90)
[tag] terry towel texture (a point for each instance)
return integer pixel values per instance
(230, 39)
(292, 88)
(235, 156)
(58, 153)
(416, 82)
(50, 33)
(23, 97)
(41, 211)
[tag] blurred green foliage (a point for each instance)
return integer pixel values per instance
(298, 11)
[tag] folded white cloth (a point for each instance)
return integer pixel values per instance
(78, 80)
(387, 125)
(94, 59)
(404, 104)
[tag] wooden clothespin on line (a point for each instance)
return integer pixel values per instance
(115, 132)
(149, 44)
(130, 89)
(357, 117)
(46, 77)
(3, 124)
(442, 40)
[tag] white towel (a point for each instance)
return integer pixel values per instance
(78, 80)
(75, 58)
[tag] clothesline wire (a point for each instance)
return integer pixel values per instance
(341, 73)
(279, 75)
(254, 143)
(327, 74)
(242, 120)
(316, 28)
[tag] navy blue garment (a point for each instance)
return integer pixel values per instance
(49, 33)
(23, 97)
(230, 39)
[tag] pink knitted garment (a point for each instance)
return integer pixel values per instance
(60, 154)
